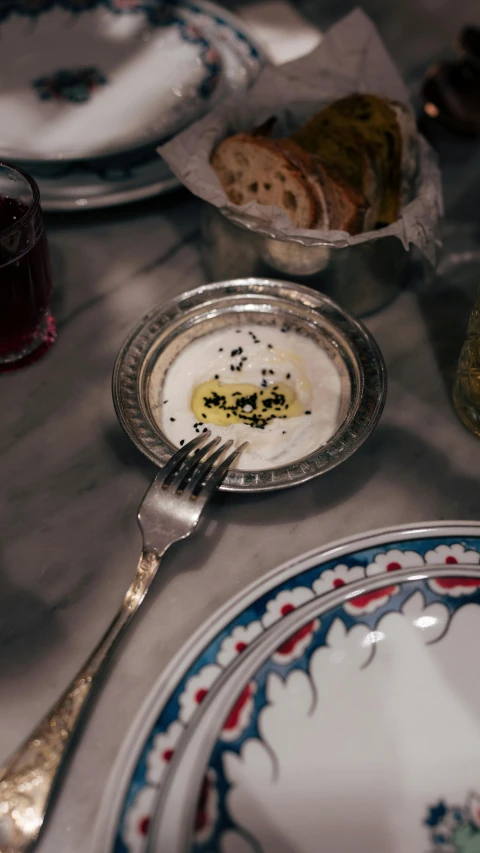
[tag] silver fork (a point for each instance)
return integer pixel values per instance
(169, 512)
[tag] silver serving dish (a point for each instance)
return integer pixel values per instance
(362, 278)
(153, 344)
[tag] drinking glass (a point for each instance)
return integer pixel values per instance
(27, 328)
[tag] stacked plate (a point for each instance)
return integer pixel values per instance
(91, 87)
(332, 705)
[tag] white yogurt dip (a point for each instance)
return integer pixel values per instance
(265, 357)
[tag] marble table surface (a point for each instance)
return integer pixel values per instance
(72, 482)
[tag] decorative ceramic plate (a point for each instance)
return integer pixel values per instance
(88, 78)
(141, 174)
(391, 740)
(82, 188)
(356, 726)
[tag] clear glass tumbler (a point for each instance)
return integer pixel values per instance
(27, 328)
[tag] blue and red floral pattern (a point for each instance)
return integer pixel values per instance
(291, 593)
(452, 829)
(75, 85)
(209, 55)
(78, 84)
(455, 829)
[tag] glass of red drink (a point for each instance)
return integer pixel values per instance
(27, 328)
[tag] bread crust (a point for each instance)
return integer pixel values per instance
(346, 208)
(305, 162)
(255, 168)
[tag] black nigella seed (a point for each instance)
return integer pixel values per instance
(284, 431)
(308, 412)
(172, 419)
(221, 349)
(182, 442)
(164, 402)
(204, 429)
(232, 367)
(288, 376)
(270, 346)
(203, 415)
(217, 376)
(228, 414)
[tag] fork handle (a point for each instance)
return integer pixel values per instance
(27, 782)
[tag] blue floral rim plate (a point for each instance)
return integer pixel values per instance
(354, 726)
(145, 770)
(93, 78)
(140, 173)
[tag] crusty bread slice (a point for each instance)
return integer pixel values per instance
(374, 123)
(254, 168)
(345, 208)
(372, 141)
(343, 153)
(281, 172)
(305, 162)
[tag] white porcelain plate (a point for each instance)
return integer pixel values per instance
(356, 726)
(132, 176)
(83, 188)
(335, 699)
(89, 78)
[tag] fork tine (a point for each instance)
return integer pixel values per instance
(204, 468)
(190, 464)
(176, 460)
(215, 477)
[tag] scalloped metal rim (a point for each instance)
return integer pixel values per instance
(131, 406)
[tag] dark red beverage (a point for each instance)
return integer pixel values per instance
(25, 275)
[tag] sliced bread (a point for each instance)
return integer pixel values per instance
(306, 163)
(374, 123)
(343, 153)
(373, 142)
(252, 168)
(345, 207)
